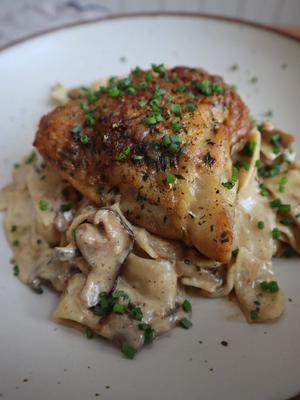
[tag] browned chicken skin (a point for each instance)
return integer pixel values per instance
(163, 140)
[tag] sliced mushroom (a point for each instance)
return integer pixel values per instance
(105, 246)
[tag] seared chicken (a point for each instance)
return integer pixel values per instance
(162, 139)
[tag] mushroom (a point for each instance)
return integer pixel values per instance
(105, 245)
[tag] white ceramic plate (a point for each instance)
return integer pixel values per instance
(262, 361)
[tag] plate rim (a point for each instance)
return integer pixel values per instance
(133, 15)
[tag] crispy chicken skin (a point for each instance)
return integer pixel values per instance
(162, 139)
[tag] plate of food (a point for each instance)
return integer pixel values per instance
(151, 211)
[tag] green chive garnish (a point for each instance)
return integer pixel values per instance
(128, 351)
(249, 148)
(170, 178)
(175, 108)
(260, 225)
(43, 205)
(270, 286)
(190, 107)
(84, 139)
(16, 270)
(120, 308)
(89, 333)
(275, 233)
(254, 315)
(142, 103)
(185, 323)
(13, 228)
(64, 207)
(186, 306)
(235, 253)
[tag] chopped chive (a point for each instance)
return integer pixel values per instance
(263, 190)
(85, 107)
(148, 77)
(170, 178)
(89, 333)
(204, 87)
(249, 148)
(43, 205)
(136, 312)
(90, 120)
(175, 108)
(286, 222)
(142, 103)
(159, 69)
(76, 130)
(84, 139)
(176, 125)
(235, 253)
(234, 177)
(120, 308)
(269, 171)
(113, 91)
(186, 306)
(64, 207)
(124, 153)
(172, 143)
(92, 97)
(190, 107)
(138, 158)
(180, 89)
(13, 228)
(275, 140)
(148, 332)
(254, 315)
(16, 270)
(275, 233)
(31, 158)
(119, 293)
(131, 90)
(271, 286)
(217, 88)
(16, 243)
(260, 225)
(151, 120)
(244, 164)
(128, 351)
(275, 203)
(282, 182)
(185, 323)
(258, 163)
(284, 207)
